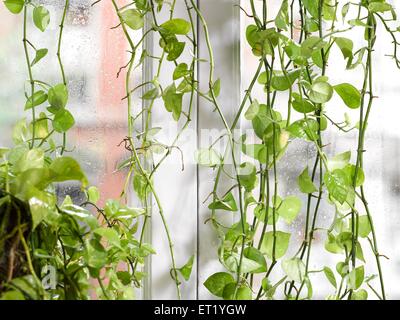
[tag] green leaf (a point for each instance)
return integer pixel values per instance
(321, 92)
(12, 295)
(301, 105)
(81, 214)
(305, 183)
(67, 168)
(228, 203)
(349, 94)
(63, 121)
(247, 175)
(133, 19)
(364, 226)
(217, 282)
(173, 101)
(337, 183)
(281, 245)
(175, 50)
(177, 26)
(253, 110)
(295, 269)
(377, 6)
(41, 18)
(186, 270)
(140, 185)
(359, 295)
(331, 244)
(304, 129)
(232, 261)
(282, 82)
(346, 46)
(242, 292)
(312, 7)
(180, 71)
(40, 54)
(255, 255)
(350, 170)
(310, 45)
(37, 99)
(356, 277)
(32, 159)
(15, 6)
(216, 88)
(93, 194)
(110, 235)
(58, 96)
(339, 161)
(289, 208)
(282, 18)
(207, 157)
(330, 276)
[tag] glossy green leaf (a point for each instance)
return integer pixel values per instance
(173, 101)
(247, 174)
(41, 17)
(217, 282)
(346, 47)
(359, 295)
(312, 7)
(379, 6)
(289, 208)
(242, 292)
(321, 92)
(283, 82)
(339, 161)
(310, 45)
(305, 183)
(133, 19)
(93, 194)
(37, 99)
(330, 276)
(32, 159)
(67, 168)
(228, 203)
(177, 26)
(58, 96)
(281, 244)
(255, 255)
(186, 270)
(110, 235)
(356, 277)
(15, 6)
(40, 54)
(180, 71)
(364, 226)
(63, 121)
(349, 94)
(282, 18)
(252, 111)
(301, 105)
(337, 183)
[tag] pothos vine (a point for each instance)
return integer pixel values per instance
(293, 48)
(294, 58)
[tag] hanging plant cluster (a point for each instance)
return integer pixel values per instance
(294, 50)
(104, 256)
(52, 248)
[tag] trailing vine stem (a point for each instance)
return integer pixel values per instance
(64, 79)
(134, 154)
(28, 63)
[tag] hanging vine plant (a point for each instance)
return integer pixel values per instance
(294, 61)
(52, 248)
(43, 237)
